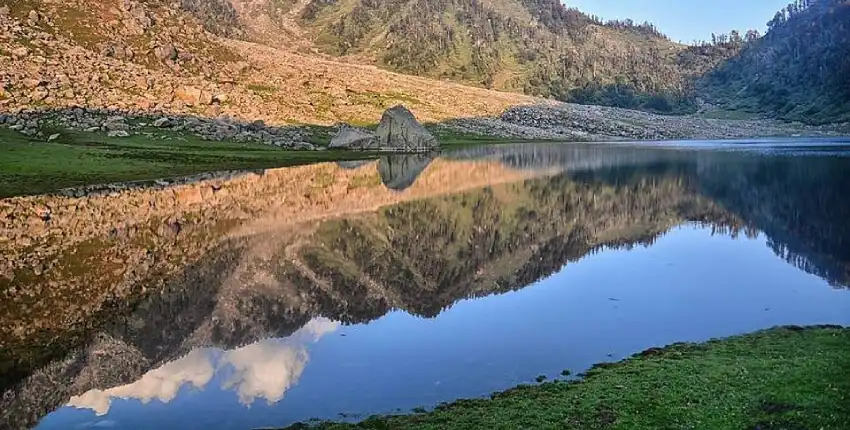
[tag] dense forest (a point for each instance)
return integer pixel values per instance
(800, 69)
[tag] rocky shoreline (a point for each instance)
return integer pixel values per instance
(545, 121)
(47, 125)
(570, 122)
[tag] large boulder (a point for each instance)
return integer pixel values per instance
(352, 138)
(399, 130)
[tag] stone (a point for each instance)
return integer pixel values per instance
(33, 16)
(142, 83)
(256, 125)
(4, 10)
(220, 98)
(353, 138)
(205, 98)
(39, 95)
(32, 83)
(162, 122)
(118, 133)
(399, 130)
(193, 96)
(20, 52)
(115, 123)
(53, 137)
(166, 53)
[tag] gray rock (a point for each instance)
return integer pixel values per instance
(399, 130)
(118, 133)
(53, 137)
(256, 125)
(115, 123)
(352, 138)
(162, 122)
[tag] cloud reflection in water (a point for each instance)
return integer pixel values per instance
(262, 370)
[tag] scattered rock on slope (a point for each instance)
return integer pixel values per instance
(399, 130)
(352, 138)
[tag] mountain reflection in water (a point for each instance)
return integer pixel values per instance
(231, 299)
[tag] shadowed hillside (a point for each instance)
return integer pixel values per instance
(800, 70)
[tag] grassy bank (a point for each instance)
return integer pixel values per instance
(783, 378)
(33, 166)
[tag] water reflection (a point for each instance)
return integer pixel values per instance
(238, 315)
(400, 171)
(161, 384)
(262, 370)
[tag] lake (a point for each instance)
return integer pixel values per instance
(341, 290)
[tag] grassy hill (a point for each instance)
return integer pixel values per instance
(538, 47)
(286, 61)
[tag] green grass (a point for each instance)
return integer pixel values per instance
(317, 134)
(381, 100)
(32, 166)
(783, 378)
(262, 88)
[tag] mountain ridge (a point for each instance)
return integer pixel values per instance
(544, 48)
(331, 61)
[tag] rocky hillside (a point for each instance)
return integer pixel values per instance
(539, 47)
(800, 70)
(230, 63)
(158, 56)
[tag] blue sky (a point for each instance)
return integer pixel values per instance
(687, 20)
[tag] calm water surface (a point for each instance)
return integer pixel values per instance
(596, 253)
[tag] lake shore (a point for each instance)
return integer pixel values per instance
(785, 377)
(47, 151)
